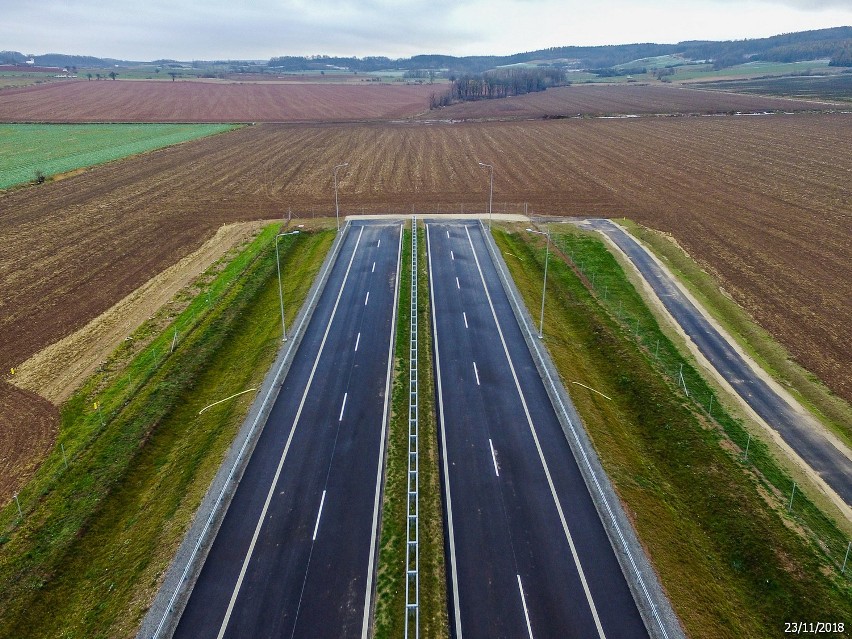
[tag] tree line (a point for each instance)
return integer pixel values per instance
(843, 56)
(500, 83)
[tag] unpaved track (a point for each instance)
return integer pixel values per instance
(55, 372)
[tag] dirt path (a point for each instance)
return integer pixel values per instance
(29, 417)
(56, 371)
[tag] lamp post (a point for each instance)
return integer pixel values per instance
(336, 206)
(490, 191)
(546, 233)
(280, 292)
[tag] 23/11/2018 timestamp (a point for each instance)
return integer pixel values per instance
(813, 627)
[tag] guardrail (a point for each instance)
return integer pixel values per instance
(412, 548)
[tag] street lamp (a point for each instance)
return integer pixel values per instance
(336, 206)
(490, 192)
(546, 233)
(280, 292)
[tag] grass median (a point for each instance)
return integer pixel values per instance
(97, 535)
(390, 601)
(733, 560)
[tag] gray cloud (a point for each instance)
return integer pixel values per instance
(818, 5)
(191, 29)
(188, 29)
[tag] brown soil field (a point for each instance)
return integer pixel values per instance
(763, 203)
(619, 99)
(55, 372)
(158, 101)
(28, 425)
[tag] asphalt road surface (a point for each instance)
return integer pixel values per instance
(810, 444)
(527, 554)
(295, 554)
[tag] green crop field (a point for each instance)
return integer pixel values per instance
(50, 149)
(696, 72)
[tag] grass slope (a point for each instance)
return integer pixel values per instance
(96, 537)
(58, 148)
(733, 561)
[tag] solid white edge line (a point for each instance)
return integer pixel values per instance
(524, 601)
(451, 533)
(465, 319)
(537, 345)
(257, 529)
(367, 299)
(343, 407)
(568, 536)
(365, 628)
(357, 341)
(526, 611)
(494, 458)
(319, 514)
(476, 372)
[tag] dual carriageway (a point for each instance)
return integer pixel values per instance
(529, 553)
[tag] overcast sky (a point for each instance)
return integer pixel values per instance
(260, 29)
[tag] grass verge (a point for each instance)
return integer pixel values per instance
(733, 561)
(390, 601)
(96, 536)
(835, 413)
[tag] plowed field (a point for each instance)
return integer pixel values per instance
(762, 202)
(158, 101)
(28, 426)
(620, 99)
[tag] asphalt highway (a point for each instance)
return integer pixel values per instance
(295, 555)
(812, 446)
(527, 553)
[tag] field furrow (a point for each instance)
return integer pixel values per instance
(761, 202)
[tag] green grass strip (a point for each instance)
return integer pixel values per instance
(390, 601)
(733, 561)
(97, 536)
(51, 149)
